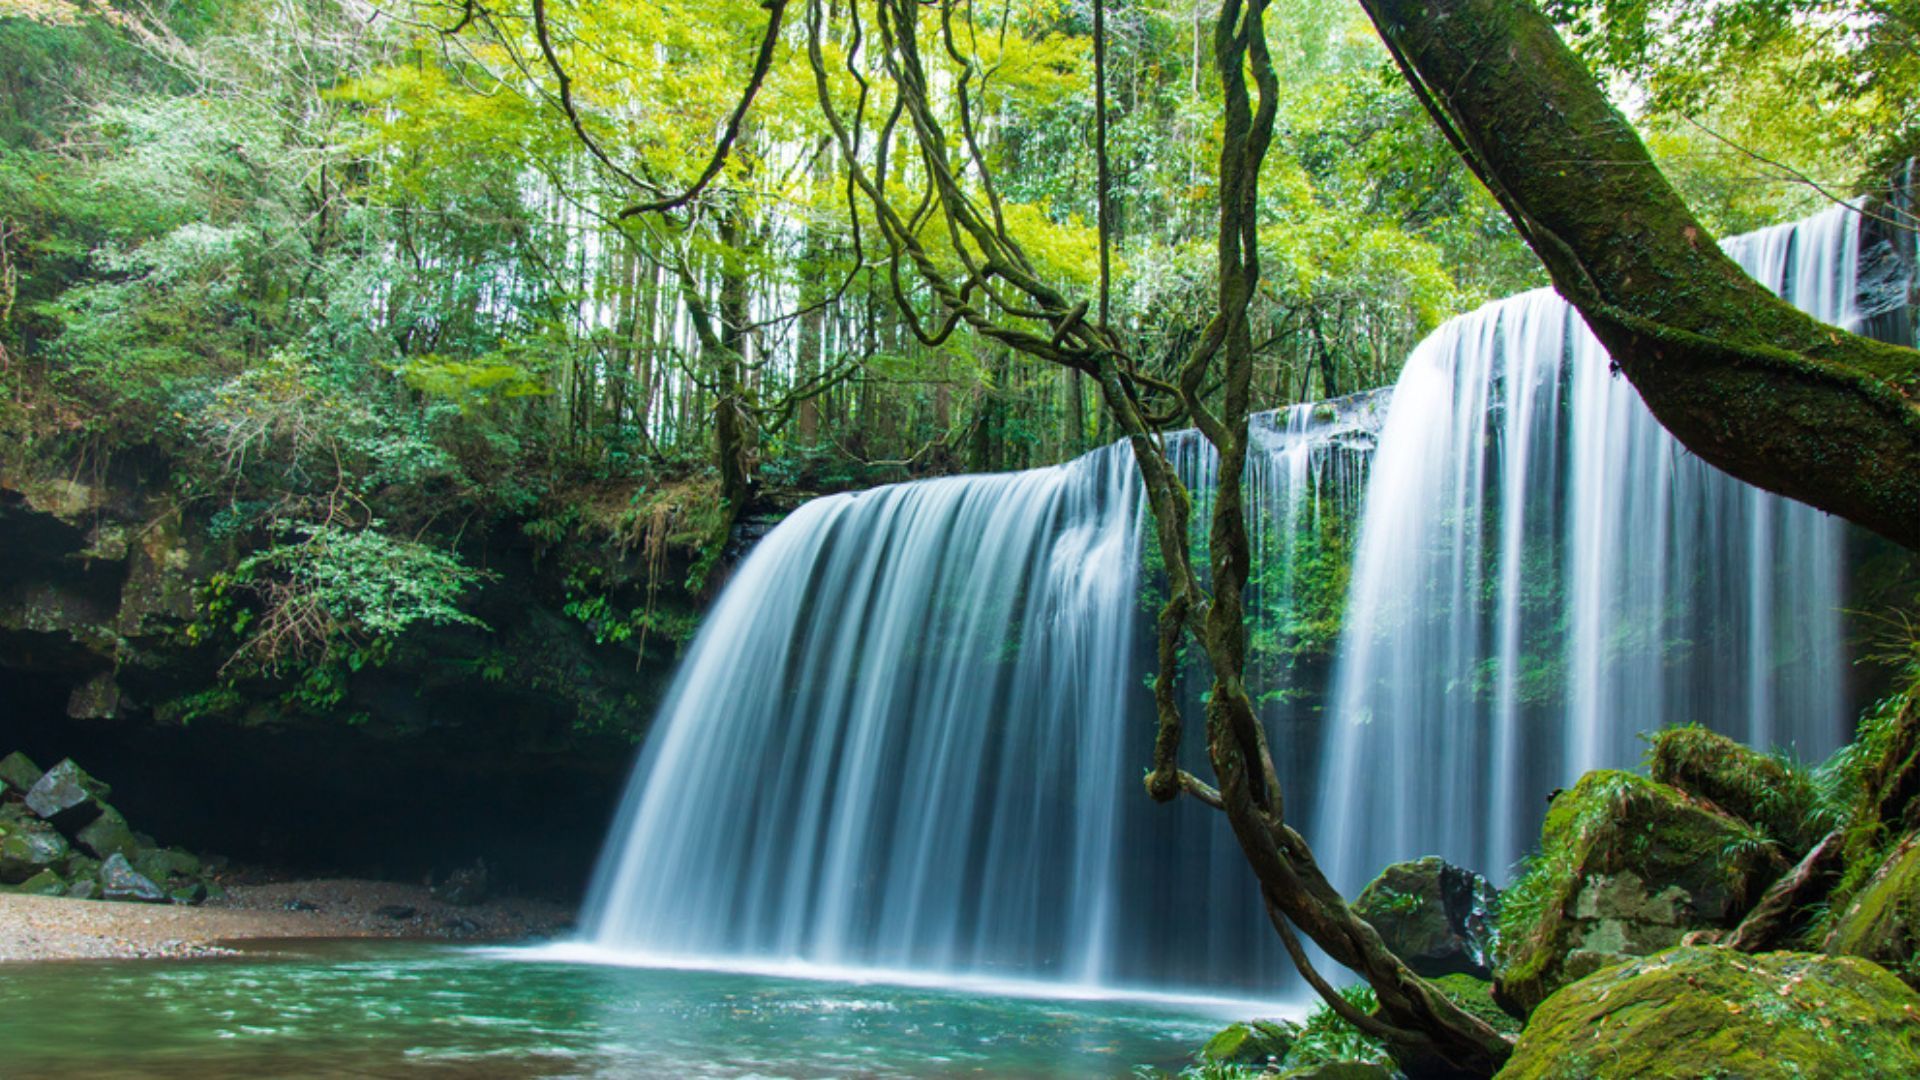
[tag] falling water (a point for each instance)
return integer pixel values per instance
(1543, 574)
(910, 733)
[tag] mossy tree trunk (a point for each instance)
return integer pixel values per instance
(1739, 376)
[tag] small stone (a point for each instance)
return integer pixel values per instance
(297, 904)
(19, 772)
(67, 797)
(1254, 1043)
(193, 893)
(120, 881)
(87, 889)
(395, 911)
(461, 927)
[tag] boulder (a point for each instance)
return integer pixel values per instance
(1434, 915)
(67, 797)
(1882, 921)
(44, 883)
(1476, 997)
(1697, 1012)
(19, 772)
(120, 881)
(193, 892)
(1757, 788)
(166, 864)
(108, 835)
(28, 848)
(88, 889)
(1255, 1042)
(1627, 867)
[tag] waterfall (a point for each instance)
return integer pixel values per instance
(1543, 574)
(910, 734)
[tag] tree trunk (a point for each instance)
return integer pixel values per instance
(1740, 377)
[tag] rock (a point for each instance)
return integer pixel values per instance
(464, 887)
(96, 699)
(460, 927)
(87, 889)
(166, 864)
(1436, 916)
(1698, 1012)
(1475, 996)
(1882, 922)
(297, 904)
(19, 772)
(44, 883)
(395, 911)
(108, 835)
(1256, 1042)
(79, 866)
(28, 848)
(120, 881)
(1757, 788)
(1341, 1070)
(1626, 868)
(67, 797)
(194, 892)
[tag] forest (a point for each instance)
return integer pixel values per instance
(1217, 538)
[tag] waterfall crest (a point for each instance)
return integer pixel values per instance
(910, 733)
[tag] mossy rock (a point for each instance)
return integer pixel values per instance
(108, 835)
(1475, 996)
(19, 773)
(1627, 867)
(28, 848)
(44, 883)
(1758, 788)
(1435, 916)
(1341, 1070)
(1256, 1042)
(1886, 782)
(1699, 1012)
(1882, 922)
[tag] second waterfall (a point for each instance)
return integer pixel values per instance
(911, 732)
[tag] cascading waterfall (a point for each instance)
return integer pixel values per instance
(1543, 573)
(910, 733)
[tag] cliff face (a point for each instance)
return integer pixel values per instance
(508, 743)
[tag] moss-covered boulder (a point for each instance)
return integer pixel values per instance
(27, 848)
(1699, 1012)
(1256, 1042)
(1627, 867)
(1434, 915)
(107, 835)
(1882, 921)
(1758, 788)
(19, 773)
(44, 883)
(1475, 996)
(68, 797)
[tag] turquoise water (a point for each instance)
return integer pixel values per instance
(408, 1010)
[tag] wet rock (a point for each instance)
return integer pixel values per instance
(1882, 921)
(28, 848)
(297, 904)
(1711, 1012)
(1256, 1042)
(193, 892)
(1436, 916)
(44, 883)
(86, 889)
(120, 881)
(464, 887)
(395, 911)
(1627, 867)
(19, 773)
(67, 797)
(108, 835)
(79, 866)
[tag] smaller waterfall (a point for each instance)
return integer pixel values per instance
(1544, 573)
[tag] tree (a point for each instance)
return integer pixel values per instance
(1739, 376)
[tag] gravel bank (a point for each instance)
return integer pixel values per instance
(51, 928)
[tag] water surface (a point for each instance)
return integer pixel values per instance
(363, 1009)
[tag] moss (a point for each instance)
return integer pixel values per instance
(1700, 1012)
(1770, 792)
(1475, 996)
(1882, 922)
(1626, 867)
